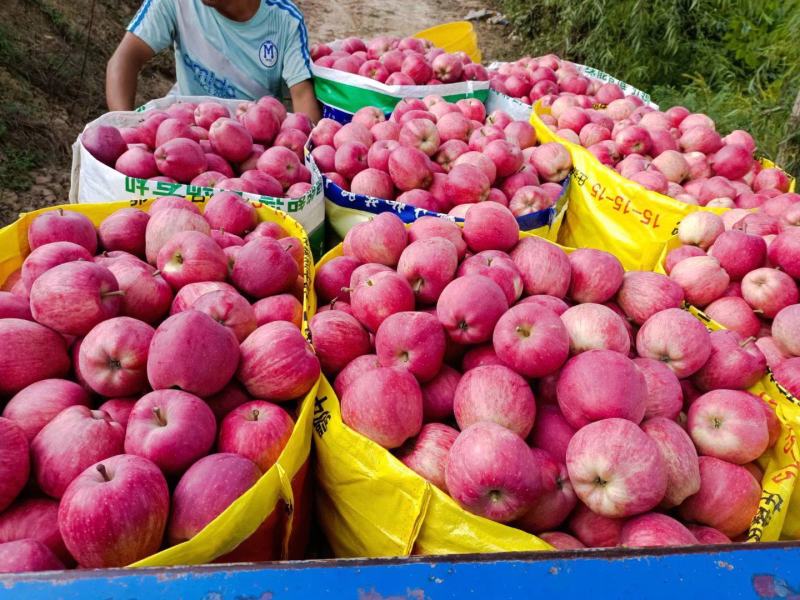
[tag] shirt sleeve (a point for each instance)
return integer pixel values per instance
(155, 24)
(296, 58)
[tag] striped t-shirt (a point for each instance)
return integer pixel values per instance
(270, 47)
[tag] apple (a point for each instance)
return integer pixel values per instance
(426, 454)
(171, 428)
(676, 338)
(643, 294)
(495, 394)
(532, 342)
(561, 541)
(732, 312)
(593, 530)
(428, 265)
(75, 439)
(498, 267)
(735, 363)
(249, 275)
(654, 529)
(146, 294)
(729, 425)
(231, 212)
(119, 409)
(490, 226)
(491, 472)
(411, 340)
(380, 240)
(192, 352)
(615, 468)
(467, 321)
(664, 393)
(700, 229)
(551, 431)
(556, 500)
(332, 277)
(785, 329)
(702, 278)
(20, 556)
(739, 252)
(595, 275)
(13, 306)
(164, 224)
(784, 251)
(283, 307)
(37, 404)
(409, 169)
(62, 226)
(74, 297)
(172, 202)
(428, 227)
(551, 303)
(45, 257)
(680, 459)
(438, 395)
(113, 356)
(728, 498)
(207, 489)
(191, 257)
(354, 370)
(622, 395)
(768, 290)
(421, 134)
(34, 519)
(552, 161)
(15, 464)
(544, 266)
(257, 430)
(114, 512)
(29, 352)
(378, 296)
(338, 339)
(384, 405)
(595, 327)
(277, 363)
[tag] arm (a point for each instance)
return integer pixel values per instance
(122, 72)
(305, 101)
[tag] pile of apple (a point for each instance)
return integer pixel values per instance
(743, 273)
(259, 152)
(674, 152)
(141, 391)
(441, 156)
(396, 61)
(549, 391)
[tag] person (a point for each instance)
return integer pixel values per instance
(224, 48)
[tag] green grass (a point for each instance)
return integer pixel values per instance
(738, 61)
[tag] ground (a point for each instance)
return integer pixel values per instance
(52, 65)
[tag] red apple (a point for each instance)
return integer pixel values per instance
(75, 439)
(551, 432)
(29, 352)
(338, 339)
(734, 313)
(380, 240)
(25, 555)
(113, 356)
(561, 541)
(702, 278)
(277, 363)
(428, 227)
(616, 469)
(676, 338)
(438, 395)
(147, 296)
(595, 327)
(164, 224)
(735, 363)
(115, 512)
(491, 472)
(14, 462)
(643, 294)
(257, 430)
(385, 405)
(593, 530)
(680, 459)
(428, 265)
(283, 307)
(250, 276)
(701, 229)
(769, 291)
(44, 258)
(708, 535)
(557, 499)
(595, 275)
(654, 529)
(171, 428)
(664, 393)
(739, 252)
(426, 454)
(413, 341)
(229, 309)
(544, 266)
(533, 342)
(378, 296)
(728, 498)
(74, 297)
(174, 362)
(34, 519)
(125, 229)
(467, 321)
(729, 425)
(36, 405)
(119, 409)
(62, 226)
(190, 293)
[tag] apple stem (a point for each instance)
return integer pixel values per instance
(159, 418)
(157, 272)
(115, 293)
(744, 343)
(418, 285)
(102, 470)
(255, 414)
(758, 311)
(61, 212)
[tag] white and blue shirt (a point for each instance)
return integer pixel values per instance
(215, 56)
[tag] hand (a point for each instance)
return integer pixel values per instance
(305, 101)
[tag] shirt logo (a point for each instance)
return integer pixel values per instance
(268, 54)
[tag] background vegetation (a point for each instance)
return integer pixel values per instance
(737, 61)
